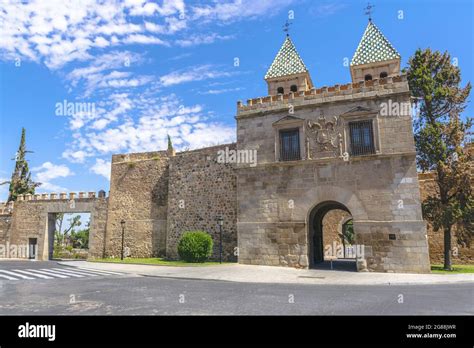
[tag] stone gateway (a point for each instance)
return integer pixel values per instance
(301, 153)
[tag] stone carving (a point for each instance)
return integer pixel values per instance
(323, 137)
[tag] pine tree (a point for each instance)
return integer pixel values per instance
(171, 151)
(441, 138)
(21, 182)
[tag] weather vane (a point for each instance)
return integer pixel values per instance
(368, 11)
(286, 28)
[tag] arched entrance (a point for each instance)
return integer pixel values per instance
(318, 249)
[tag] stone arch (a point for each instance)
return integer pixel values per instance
(320, 194)
(315, 229)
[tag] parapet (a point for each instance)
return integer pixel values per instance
(61, 196)
(325, 94)
(6, 208)
(139, 156)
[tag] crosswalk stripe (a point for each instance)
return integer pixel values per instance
(64, 274)
(45, 271)
(75, 272)
(33, 274)
(16, 274)
(51, 273)
(99, 271)
(7, 277)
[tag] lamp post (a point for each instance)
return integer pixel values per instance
(123, 232)
(220, 222)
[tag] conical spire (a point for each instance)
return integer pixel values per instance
(373, 47)
(287, 62)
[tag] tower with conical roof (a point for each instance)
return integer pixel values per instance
(288, 73)
(375, 57)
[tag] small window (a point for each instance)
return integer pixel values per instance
(368, 77)
(383, 75)
(293, 88)
(280, 90)
(290, 145)
(362, 138)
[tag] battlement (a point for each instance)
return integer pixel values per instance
(6, 208)
(61, 196)
(350, 91)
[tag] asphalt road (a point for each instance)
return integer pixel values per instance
(128, 294)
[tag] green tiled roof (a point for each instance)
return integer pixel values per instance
(286, 62)
(373, 47)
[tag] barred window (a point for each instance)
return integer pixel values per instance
(290, 145)
(362, 138)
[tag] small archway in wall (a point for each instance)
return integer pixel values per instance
(330, 237)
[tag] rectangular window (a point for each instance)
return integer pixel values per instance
(362, 138)
(290, 145)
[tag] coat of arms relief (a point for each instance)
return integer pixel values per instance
(323, 138)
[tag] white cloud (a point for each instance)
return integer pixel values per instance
(76, 156)
(49, 171)
(196, 73)
(4, 190)
(144, 39)
(238, 10)
(101, 167)
(220, 91)
(57, 32)
(195, 40)
(155, 118)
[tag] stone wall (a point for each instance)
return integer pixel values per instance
(461, 254)
(5, 223)
(34, 217)
(332, 226)
(139, 196)
(200, 189)
(381, 191)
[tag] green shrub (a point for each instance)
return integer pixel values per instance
(195, 246)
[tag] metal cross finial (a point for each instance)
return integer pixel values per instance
(286, 28)
(369, 10)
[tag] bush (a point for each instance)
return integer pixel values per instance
(195, 246)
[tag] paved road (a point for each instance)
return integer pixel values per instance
(132, 294)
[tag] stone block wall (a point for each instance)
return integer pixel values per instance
(34, 217)
(139, 196)
(461, 254)
(200, 189)
(370, 192)
(332, 226)
(5, 224)
(393, 134)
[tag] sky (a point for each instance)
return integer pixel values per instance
(131, 72)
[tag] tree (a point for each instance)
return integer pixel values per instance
(80, 239)
(171, 151)
(60, 235)
(21, 182)
(441, 138)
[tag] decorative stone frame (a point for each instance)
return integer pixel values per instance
(360, 114)
(287, 123)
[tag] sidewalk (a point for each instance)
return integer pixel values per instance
(271, 274)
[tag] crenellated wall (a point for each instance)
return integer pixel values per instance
(34, 216)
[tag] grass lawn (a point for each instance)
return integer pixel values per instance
(159, 262)
(456, 269)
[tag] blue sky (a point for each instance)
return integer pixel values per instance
(156, 68)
